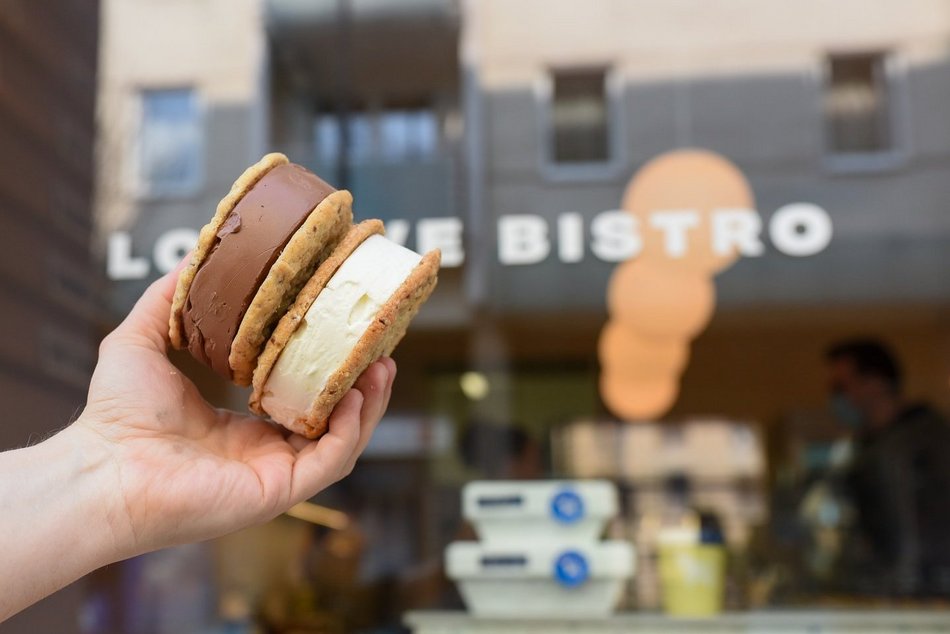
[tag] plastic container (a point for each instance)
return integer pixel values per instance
(692, 574)
(550, 509)
(541, 578)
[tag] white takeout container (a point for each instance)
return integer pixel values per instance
(542, 509)
(540, 579)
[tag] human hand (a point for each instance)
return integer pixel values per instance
(183, 471)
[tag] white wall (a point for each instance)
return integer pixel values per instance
(663, 38)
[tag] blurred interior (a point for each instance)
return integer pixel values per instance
(445, 118)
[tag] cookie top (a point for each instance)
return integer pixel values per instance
(289, 322)
(310, 245)
(380, 339)
(209, 237)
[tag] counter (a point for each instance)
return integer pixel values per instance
(786, 622)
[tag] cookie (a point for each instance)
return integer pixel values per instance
(208, 237)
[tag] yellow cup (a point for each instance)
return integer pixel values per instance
(692, 579)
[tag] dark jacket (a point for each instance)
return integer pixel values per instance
(900, 484)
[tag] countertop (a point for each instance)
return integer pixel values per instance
(874, 621)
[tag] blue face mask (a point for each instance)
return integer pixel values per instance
(845, 411)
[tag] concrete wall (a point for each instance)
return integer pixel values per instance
(654, 39)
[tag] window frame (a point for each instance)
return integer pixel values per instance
(592, 171)
(139, 186)
(895, 74)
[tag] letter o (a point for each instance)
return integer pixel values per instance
(800, 229)
(172, 246)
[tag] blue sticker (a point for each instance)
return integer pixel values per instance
(567, 507)
(571, 569)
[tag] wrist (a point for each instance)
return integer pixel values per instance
(57, 517)
(94, 481)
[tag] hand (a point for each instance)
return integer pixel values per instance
(183, 471)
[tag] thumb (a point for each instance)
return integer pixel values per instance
(148, 319)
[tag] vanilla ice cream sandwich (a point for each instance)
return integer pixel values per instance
(353, 310)
(266, 239)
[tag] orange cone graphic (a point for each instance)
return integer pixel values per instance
(661, 300)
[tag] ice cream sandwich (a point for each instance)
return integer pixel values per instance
(355, 309)
(284, 292)
(268, 235)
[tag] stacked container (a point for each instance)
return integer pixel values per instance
(540, 553)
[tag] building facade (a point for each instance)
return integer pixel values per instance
(517, 136)
(182, 110)
(848, 119)
(447, 117)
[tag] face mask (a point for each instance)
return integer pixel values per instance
(845, 411)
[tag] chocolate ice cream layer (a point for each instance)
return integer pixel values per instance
(249, 241)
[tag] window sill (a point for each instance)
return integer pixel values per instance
(581, 172)
(157, 194)
(865, 163)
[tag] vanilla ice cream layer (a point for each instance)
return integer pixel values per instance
(333, 325)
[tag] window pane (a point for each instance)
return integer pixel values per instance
(394, 135)
(579, 117)
(407, 134)
(361, 137)
(388, 135)
(857, 105)
(170, 143)
(327, 139)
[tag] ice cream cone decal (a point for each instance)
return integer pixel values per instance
(659, 301)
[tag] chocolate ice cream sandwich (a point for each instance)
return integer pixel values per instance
(269, 234)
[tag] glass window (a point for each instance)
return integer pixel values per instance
(579, 117)
(170, 142)
(408, 134)
(327, 140)
(857, 105)
(389, 136)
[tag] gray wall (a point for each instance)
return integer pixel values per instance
(892, 227)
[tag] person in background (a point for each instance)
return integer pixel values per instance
(899, 474)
